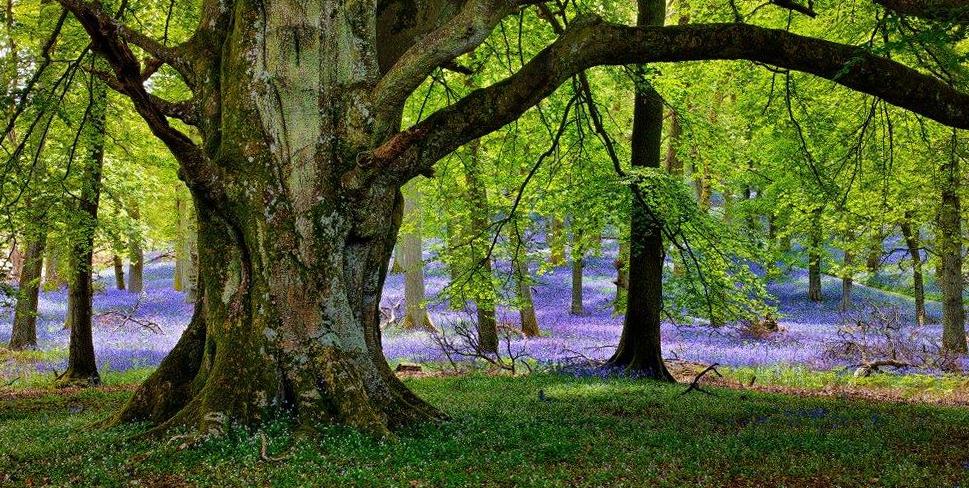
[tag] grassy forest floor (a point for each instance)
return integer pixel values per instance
(579, 432)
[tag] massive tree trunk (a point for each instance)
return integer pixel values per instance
(912, 242)
(136, 256)
(81, 366)
(24, 330)
(640, 346)
(412, 262)
(814, 257)
(949, 234)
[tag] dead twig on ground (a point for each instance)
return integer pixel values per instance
(695, 384)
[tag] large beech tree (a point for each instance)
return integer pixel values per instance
(297, 170)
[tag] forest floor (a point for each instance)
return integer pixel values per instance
(542, 430)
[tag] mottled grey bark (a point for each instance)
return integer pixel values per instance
(412, 261)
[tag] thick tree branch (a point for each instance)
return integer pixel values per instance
(938, 10)
(108, 40)
(590, 42)
(462, 34)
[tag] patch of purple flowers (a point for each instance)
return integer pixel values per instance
(806, 327)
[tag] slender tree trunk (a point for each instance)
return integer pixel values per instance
(874, 259)
(578, 265)
(847, 282)
(24, 329)
(52, 278)
(640, 346)
(622, 277)
(189, 245)
(411, 251)
(16, 259)
(523, 282)
(482, 272)
(950, 253)
(912, 242)
(814, 258)
(177, 283)
(81, 366)
(556, 241)
(136, 264)
(118, 272)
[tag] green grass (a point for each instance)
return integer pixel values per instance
(795, 376)
(590, 432)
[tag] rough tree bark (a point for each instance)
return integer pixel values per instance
(412, 261)
(296, 179)
(912, 243)
(640, 345)
(81, 366)
(949, 232)
(24, 329)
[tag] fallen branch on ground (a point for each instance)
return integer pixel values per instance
(867, 369)
(264, 451)
(695, 384)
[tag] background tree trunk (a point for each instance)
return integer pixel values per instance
(622, 277)
(523, 281)
(912, 242)
(481, 271)
(556, 241)
(950, 255)
(136, 257)
(640, 346)
(814, 258)
(24, 330)
(410, 246)
(81, 366)
(118, 272)
(52, 277)
(578, 265)
(847, 282)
